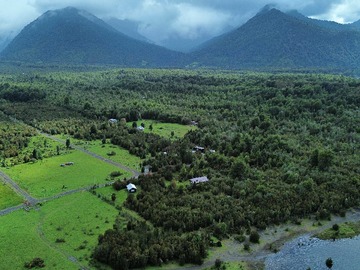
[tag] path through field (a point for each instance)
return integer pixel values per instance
(134, 173)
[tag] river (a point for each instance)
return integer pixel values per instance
(305, 251)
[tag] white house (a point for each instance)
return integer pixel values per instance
(131, 188)
(199, 180)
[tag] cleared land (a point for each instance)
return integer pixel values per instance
(121, 155)
(164, 129)
(63, 232)
(47, 177)
(8, 197)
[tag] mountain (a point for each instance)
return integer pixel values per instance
(276, 39)
(356, 25)
(5, 40)
(72, 36)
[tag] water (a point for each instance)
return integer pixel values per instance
(304, 252)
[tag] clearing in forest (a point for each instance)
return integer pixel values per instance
(47, 177)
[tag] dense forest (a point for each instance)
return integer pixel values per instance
(275, 148)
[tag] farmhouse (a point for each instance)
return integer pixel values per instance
(113, 121)
(131, 188)
(197, 180)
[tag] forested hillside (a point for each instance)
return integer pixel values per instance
(72, 36)
(274, 39)
(277, 148)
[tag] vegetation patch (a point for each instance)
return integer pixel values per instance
(339, 231)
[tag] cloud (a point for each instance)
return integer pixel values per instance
(346, 11)
(14, 15)
(163, 19)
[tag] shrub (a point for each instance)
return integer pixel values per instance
(115, 174)
(60, 240)
(254, 237)
(36, 262)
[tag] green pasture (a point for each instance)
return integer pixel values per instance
(164, 129)
(46, 177)
(106, 192)
(121, 156)
(63, 232)
(8, 197)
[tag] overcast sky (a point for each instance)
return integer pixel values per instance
(185, 18)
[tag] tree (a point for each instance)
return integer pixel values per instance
(36, 154)
(238, 169)
(35, 263)
(151, 127)
(113, 197)
(218, 263)
(93, 129)
(254, 237)
(134, 124)
(325, 159)
(329, 263)
(66, 101)
(68, 143)
(58, 150)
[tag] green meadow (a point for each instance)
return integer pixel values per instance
(164, 129)
(121, 155)
(106, 192)
(109, 151)
(46, 177)
(8, 197)
(62, 232)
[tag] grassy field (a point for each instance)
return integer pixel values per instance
(165, 129)
(121, 156)
(76, 219)
(106, 192)
(46, 177)
(8, 197)
(74, 224)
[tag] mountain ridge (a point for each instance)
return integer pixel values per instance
(270, 39)
(276, 39)
(74, 36)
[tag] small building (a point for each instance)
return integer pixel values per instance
(147, 169)
(199, 149)
(140, 128)
(194, 123)
(113, 121)
(197, 180)
(131, 188)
